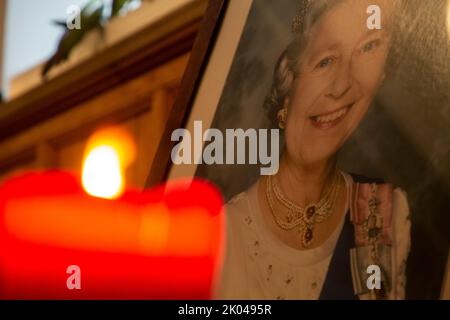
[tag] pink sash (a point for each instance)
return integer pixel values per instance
(371, 214)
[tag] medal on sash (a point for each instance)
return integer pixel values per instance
(371, 214)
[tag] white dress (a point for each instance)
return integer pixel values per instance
(257, 265)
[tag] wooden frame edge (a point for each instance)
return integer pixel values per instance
(198, 61)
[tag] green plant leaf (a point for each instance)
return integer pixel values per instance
(92, 16)
(117, 5)
(71, 38)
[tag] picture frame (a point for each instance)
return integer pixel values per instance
(200, 55)
(201, 89)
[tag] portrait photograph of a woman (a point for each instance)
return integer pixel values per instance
(359, 203)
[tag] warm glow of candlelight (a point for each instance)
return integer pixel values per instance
(108, 153)
(102, 176)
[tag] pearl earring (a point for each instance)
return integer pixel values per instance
(282, 115)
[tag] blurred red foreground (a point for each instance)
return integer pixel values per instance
(165, 243)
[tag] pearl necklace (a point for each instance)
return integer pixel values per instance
(304, 218)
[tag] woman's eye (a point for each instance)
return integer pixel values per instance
(371, 45)
(324, 63)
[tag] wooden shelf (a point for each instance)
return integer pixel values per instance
(150, 46)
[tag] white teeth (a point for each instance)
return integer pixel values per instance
(331, 117)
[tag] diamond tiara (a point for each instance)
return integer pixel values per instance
(299, 19)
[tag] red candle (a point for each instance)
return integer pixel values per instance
(164, 243)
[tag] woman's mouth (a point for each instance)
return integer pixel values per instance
(330, 119)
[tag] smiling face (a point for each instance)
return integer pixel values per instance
(342, 68)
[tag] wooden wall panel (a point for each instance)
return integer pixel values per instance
(142, 106)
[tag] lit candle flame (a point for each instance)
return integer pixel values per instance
(108, 153)
(102, 176)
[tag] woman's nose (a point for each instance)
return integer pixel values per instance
(342, 82)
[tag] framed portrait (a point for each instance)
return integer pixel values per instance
(362, 85)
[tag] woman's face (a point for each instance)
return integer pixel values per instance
(342, 67)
